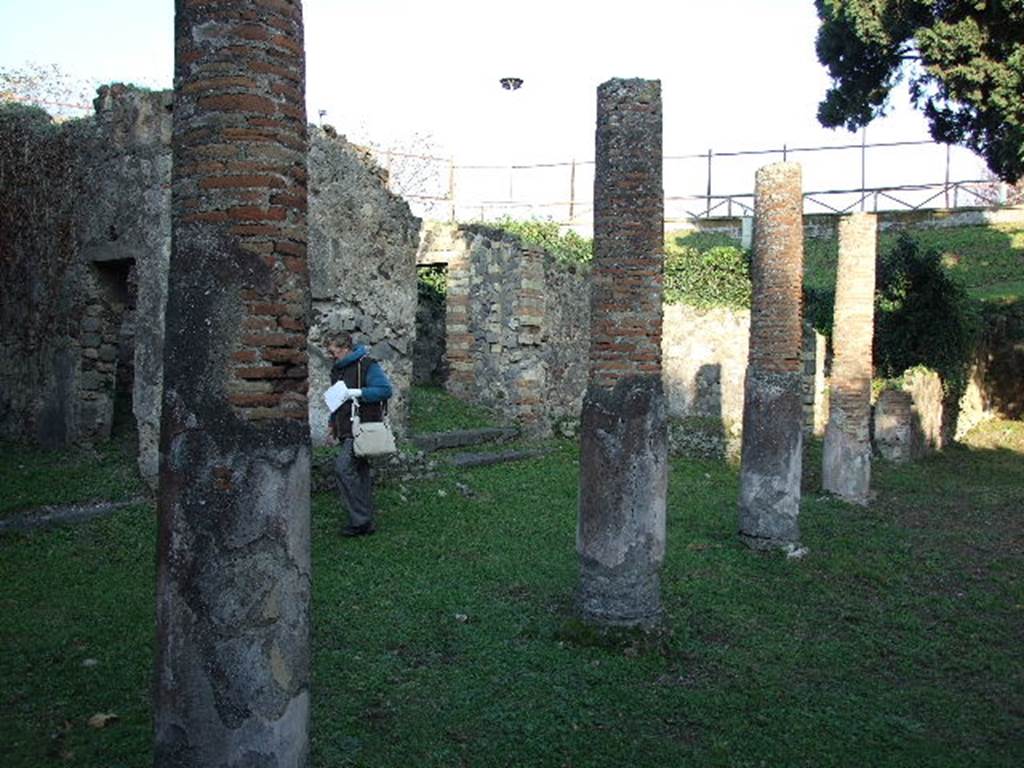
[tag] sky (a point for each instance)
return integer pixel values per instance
(735, 74)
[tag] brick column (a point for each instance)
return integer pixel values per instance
(233, 574)
(770, 463)
(624, 446)
(846, 462)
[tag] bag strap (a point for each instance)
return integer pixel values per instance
(359, 385)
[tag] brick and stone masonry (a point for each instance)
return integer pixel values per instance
(770, 460)
(846, 462)
(233, 576)
(624, 443)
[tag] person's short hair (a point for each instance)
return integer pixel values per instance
(338, 338)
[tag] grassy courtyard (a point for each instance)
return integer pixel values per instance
(448, 639)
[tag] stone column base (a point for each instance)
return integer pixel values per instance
(772, 460)
(623, 485)
(846, 466)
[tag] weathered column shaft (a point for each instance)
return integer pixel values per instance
(773, 403)
(233, 577)
(624, 445)
(846, 464)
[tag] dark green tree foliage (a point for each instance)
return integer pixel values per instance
(964, 60)
(922, 316)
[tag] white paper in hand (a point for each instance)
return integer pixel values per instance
(336, 395)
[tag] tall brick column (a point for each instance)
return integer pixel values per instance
(624, 446)
(846, 464)
(770, 462)
(233, 577)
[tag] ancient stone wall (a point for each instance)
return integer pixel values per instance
(704, 352)
(995, 386)
(705, 361)
(517, 324)
(914, 420)
(87, 239)
(41, 304)
(566, 338)
(88, 232)
(125, 236)
(362, 260)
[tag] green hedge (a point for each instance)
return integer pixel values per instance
(567, 247)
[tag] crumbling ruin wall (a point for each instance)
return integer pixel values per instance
(705, 361)
(85, 229)
(40, 274)
(517, 324)
(125, 230)
(86, 236)
(495, 341)
(362, 264)
(566, 341)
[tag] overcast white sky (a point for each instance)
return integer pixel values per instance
(736, 74)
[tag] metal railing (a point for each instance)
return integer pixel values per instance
(448, 198)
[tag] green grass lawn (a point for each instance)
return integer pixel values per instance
(988, 261)
(31, 478)
(431, 409)
(448, 639)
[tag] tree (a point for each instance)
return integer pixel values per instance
(964, 60)
(46, 86)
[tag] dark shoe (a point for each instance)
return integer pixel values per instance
(367, 529)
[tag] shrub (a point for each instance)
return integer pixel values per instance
(567, 247)
(432, 284)
(716, 277)
(922, 316)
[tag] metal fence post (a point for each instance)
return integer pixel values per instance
(708, 207)
(451, 190)
(864, 167)
(572, 193)
(946, 185)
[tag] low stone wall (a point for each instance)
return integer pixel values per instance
(824, 224)
(566, 340)
(913, 421)
(704, 355)
(995, 386)
(705, 362)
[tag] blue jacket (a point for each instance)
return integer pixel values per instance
(376, 386)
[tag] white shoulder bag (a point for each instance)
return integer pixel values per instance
(373, 438)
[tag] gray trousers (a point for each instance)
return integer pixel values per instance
(354, 483)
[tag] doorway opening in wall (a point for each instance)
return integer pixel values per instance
(430, 361)
(110, 350)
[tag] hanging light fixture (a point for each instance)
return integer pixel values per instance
(511, 83)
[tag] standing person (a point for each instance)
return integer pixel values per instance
(367, 383)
